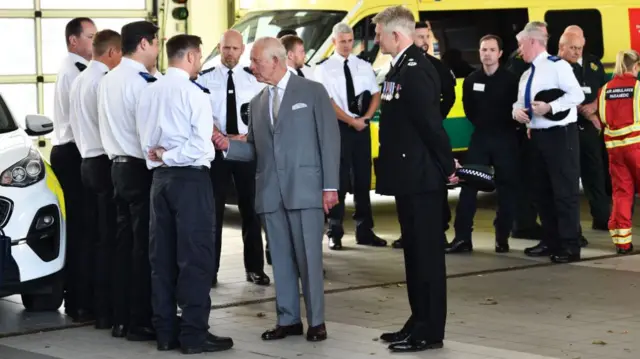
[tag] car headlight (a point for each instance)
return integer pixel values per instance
(26, 172)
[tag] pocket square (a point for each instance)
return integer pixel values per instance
(298, 106)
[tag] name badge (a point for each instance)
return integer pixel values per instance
(586, 90)
(478, 87)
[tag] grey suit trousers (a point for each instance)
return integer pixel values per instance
(295, 242)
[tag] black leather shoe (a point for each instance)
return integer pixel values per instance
(534, 233)
(397, 244)
(410, 345)
(281, 332)
(80, 315)
(168, 346)
(141, 334)
(370, 239)
(211, 344)
(502, 247)
(394, 337)
(119, 331)
(459, 246)
(317, 333)
(624, 249)
(539, 250)
(259, 278)
(335, 243)
(564, 256)
(103, 323)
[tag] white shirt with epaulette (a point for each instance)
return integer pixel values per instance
(330, 72)
(246, 87)
(551, 72)
(70, 69)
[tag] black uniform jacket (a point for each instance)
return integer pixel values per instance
(415, 153)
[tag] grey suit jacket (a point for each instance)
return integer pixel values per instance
(300, 157)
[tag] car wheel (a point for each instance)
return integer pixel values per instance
(45, 302)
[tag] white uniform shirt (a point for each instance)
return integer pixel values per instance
(68, 72)
(331, 74)
(118, 95)
(306, 71)
(174, 113)
(83, 110)
(246, 87)
(551, 73)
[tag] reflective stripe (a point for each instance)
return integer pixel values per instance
(619, 143)
(620, 231)
(635, 127)
(621, 236)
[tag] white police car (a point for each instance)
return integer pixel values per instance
(31, 215)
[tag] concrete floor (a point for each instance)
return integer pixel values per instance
(500, 305)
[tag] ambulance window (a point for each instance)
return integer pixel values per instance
(364, 34)
(590, 20)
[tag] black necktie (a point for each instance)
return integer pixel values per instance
(232, 112)
(351, 92)
(299, 72)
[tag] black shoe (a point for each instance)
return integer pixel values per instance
(502, 247)
(335, 243)
(283, 331)
(539, 250)
(259, 278)
(211, 344)
(397, 244)
(410, 345)
(141, 334)
(119, 330)
(103, 323)
(564, 256)
(168, 346)
(583, 242)
(534, 233)
(370, 239)
(394, 337)
(317, 333)
(459, 246)
(624, 249)
(80, 315)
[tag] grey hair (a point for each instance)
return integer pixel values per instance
(534, 31)
(396, 18)
(341, 28)
(272, 47)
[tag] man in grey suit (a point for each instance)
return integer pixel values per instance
(294, 137)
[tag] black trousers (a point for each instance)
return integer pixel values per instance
(499, 149)
(556, 164)
(355, 177)
(243, 175)
(96, 177)
(420, 217)
(526, 208)
(593, 174)
(182, 253)
(132, 184)
(66, 162)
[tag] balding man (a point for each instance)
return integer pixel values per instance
(292, 135)
(231, 85)
(592, 170)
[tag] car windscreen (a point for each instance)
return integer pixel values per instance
(314, 27)
(7, 124)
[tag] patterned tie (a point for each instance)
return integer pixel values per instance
(275, 105)
(527, 93)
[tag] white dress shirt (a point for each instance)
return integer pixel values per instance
(551, 74)
(306, 71)
(83, 109)
(118, 95)
(398, 56)
(331, 74)
(68, 72)
(174, 113)
(246, 87)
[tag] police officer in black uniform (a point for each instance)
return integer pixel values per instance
(590, 74)
(421, 38)
(488, 96)
(414, 165)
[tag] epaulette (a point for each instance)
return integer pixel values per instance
(248, 70)
(147, 77)
(204, 89)
(80, 66)
(206, 71)
(553, 58)
(321, 61)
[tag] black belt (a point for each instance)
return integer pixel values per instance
(199, 168)
(553, 128)
(126, 159)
